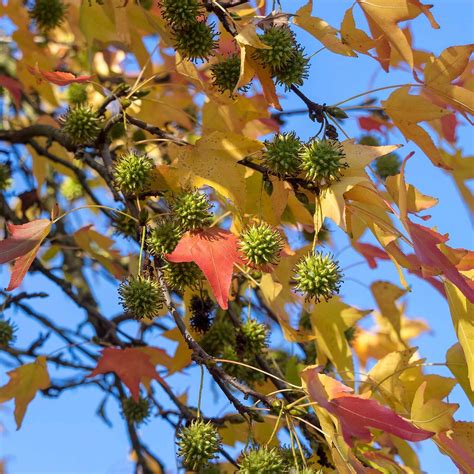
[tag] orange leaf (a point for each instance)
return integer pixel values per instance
(215, 252)
(22, 247)
(57, 77)
(132, 365)
(24, 383)
(355, 413)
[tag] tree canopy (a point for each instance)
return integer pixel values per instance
(144, 144)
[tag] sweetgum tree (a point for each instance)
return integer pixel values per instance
(144, 144)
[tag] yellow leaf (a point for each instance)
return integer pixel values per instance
(328, 35)
(99, 247)
(182, 355)
(415, 200)
(385, 15)
(440, 72)
(384, 377)
(386, 294)
(432, 415)
(213, 161)
(248, 36)
(233, 433)
(462, 314)
(462, 171)
(24, 382)
(407, 111)
(329, 320)
(456, 363)
(357, 39)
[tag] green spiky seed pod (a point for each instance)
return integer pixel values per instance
(220, 334)
(7, 332)
(198, 443)
(261, 460)
(5, 177)
(71, 189)
(141, 297)
(294, 73)
(48, 14)
(261, 244)
(255, 336)
(369, 140)
(317, 276)
(226, 74)
(322, 161)
(77, 94)
(179, 276)
(133, 173)
(282, 42)
(81, 124)
(201, 309)
(282, 154)
(388, 165)
(195, 42)
(124, 225)
(240, 372)
(192, 210)
(180, 14)
(136, 412)
(164, 237)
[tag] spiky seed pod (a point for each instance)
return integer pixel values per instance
(201, 309)
(282, 42)
(164, 237)
(81, 124)
(255, 336)
(198, 444)
(261, 460)
(48, 14)
(331, 132)
(7, 332)
(180, 14)
(317, 276)
(226, 73)
(369, 140)
(295, 73)
(388, 165)
(136, 412)
(141, 297)
(133, 173)
(77, 94)
(124, 225)
(261, 244)
(220, 334)
(240, 372)
(71, 189)
(192, 210)
(5, 177)
(179, 276)
(196, 41)
(322, 161)
(282, 153)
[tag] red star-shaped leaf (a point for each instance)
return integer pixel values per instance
(132, 365)
(357, 413)
(215, 252)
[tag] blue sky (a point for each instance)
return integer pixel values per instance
(65, 436)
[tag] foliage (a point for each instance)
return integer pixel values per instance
(214, 221)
